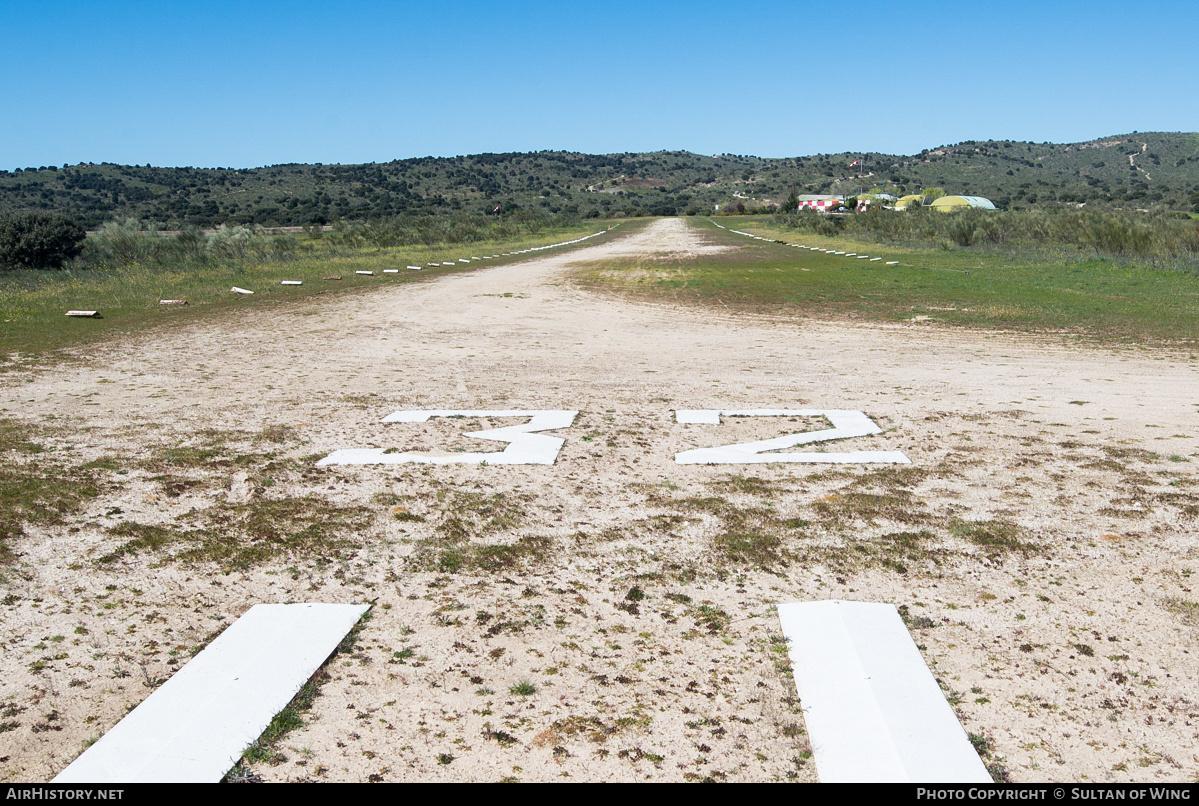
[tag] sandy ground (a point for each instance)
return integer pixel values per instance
(645, 632)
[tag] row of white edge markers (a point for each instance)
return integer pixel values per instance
(813, 248)
(238, 290)
(460, 260)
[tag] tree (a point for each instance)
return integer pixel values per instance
(38, 241)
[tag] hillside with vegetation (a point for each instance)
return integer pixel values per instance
(1156, 171)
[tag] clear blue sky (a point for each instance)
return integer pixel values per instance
(255, 83)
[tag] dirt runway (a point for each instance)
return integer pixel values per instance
(610, 616)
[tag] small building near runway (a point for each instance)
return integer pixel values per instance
(948, 204)
(820, 203)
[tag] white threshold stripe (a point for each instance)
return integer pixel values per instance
(873, 710)
(195, 726)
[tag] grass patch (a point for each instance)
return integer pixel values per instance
(523, 689)
(466, 516)
(35, 487)
(898, 506)
(1104, 299)
(240, 536)
(995, 536)
(753, 537)
(1186, 610)
(897, 549)
(487, 557)
(847, 529)
(469, 513)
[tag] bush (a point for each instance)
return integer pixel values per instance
(127, 241)
(38, 241)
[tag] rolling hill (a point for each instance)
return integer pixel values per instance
(1139, 170)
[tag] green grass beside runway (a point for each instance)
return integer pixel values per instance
(1100, 299)
(33, 304)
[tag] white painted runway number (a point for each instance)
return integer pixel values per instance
(846, 424)
(525, 446)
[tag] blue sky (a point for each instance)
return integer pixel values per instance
(256, 83)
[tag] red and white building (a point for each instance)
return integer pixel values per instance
(821, 203)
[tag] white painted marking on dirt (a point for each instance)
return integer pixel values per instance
(846, 424)
(415, 268)
(292, 282)
(524, 446)
(237, 290)
(196, 725)
(874, 259)
(873, 710)
(364, 272)
(702, 416)
(891, 262)
(463, 260)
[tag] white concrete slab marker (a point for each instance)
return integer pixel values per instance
(195, 726)
(525, 446)
(846, 424)
(873, 710)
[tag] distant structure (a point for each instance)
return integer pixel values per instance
(904, 201)
(820, 203)
(868, 200)
(948, 204)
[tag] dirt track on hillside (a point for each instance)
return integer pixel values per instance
(1042, 540)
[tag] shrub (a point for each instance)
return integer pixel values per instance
(38, 241)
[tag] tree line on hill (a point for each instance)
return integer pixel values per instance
(1142, 171)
